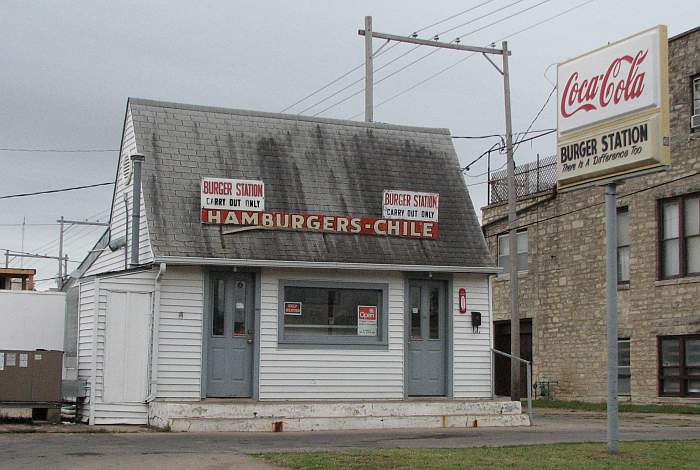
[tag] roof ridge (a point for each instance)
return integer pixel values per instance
(291, 117)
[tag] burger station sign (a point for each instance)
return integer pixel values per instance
(242, 202)
(612, 109)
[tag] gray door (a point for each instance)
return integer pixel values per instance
(426, 338)
(230, 342)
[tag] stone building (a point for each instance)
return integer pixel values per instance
(561, 249)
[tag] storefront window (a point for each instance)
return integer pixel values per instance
(329, 314)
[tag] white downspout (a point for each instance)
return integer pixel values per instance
(155, 328)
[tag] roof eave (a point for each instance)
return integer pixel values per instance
(261, 263)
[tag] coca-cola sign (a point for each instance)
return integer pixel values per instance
(612, 110)
(610, 82)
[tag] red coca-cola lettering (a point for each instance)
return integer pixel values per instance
(613, 86)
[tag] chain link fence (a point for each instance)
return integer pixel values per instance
(530, 178)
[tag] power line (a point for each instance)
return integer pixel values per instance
(6, 149)
(532, 123)
(55, 190)
(434, 51)
(449, 67)
(377, 53)
(502, 147)
(488, 136)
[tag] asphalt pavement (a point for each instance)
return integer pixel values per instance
(106, 450)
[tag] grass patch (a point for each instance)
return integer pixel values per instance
(623, 407)
(590, 456)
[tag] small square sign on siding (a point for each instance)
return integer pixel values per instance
(292, 308)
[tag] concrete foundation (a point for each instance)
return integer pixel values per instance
(217, 415)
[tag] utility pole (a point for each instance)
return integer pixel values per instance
(512, 238)
(60, 253)
(512, 197)
(21, 260)
(369, 71)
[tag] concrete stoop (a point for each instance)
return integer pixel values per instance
(263, 416)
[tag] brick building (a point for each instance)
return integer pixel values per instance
(561, 250)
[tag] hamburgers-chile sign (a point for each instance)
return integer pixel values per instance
(612, 109)
(242, 202)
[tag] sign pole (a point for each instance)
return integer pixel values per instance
(611, 291)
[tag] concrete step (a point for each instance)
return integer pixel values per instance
(291, 410)
(343, 423)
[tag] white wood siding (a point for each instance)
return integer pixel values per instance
(324, 373)
(472, 354)
(180, 334)
(109, 260)
(106, 413)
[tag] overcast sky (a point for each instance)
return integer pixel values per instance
(68, 67)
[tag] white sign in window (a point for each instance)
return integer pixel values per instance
(367, 320)
(233, 194)
(410, 205)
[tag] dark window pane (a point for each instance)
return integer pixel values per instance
(692, 353)
(415, 312)
(239, 308)
(623, 385)
(623, 353)
(670, 352)
(434, 313)
(331, 311)
(219, 303)
(694, 386)
(672, 386)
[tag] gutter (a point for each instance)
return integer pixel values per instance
(201, 261)
(155, 328)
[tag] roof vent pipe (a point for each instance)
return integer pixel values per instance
(136, 164)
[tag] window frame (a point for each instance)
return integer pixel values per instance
(682, 238)
(624, 282)
(498, 250)
(682, 376)
(381, 341)
(695, 87)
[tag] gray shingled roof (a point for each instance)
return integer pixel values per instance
(311, 165)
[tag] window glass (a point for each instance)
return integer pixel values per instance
(219, 303)
(671, 257)
(692, 234)
(670, 352)
(670, 210)
(696, 96)
(329, 312)
(239, 310)
(415, 312)
(623, 264)
(434, 306)
(504, 251)
(623, 370)
(692, 353)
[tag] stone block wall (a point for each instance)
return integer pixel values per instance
(563, 290)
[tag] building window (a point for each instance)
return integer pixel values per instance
(679, 238)
(679, 366)
(623, 246)
(624, 372)
(332, 313)
(696, 96)
(504, 251)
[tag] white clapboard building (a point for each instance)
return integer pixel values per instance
(284, 272)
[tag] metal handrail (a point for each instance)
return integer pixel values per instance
(528, 365)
